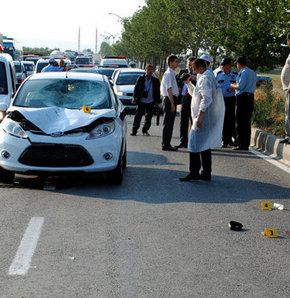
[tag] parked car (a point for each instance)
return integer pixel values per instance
(264, 81)
(83, 61)
(28, 67)
(20, 72)
(85, 69)
(8, 82)
(40, 64)
(114, 62)
(124, 84)
(64, 122)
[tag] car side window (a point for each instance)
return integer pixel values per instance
(3, 79)
(12, 73)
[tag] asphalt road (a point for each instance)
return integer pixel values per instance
(152, 236)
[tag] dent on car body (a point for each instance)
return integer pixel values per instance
(56, 121)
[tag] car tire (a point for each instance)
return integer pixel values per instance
(124, 164)
(116, 176)
(6, 176)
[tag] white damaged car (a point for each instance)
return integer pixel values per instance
(64, 122)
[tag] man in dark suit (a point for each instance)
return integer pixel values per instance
(146, 95)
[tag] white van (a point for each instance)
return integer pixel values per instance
(7, 82)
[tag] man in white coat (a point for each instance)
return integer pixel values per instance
(207, 112)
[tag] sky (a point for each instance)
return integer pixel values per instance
(55, 23)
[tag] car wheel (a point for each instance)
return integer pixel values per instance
(125, 158)
(6, 176)
(116, 176)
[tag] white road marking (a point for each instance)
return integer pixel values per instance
(272, 161)
(23, 257)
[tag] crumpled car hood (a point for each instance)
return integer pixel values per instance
(55, 120)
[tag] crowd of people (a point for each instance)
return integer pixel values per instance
(217, 104)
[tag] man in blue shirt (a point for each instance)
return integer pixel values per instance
(225, 77)
(52, 66)
(245, 88)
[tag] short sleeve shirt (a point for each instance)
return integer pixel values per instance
(169, 81)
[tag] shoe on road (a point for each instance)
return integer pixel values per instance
(189, 177)
(169, 148)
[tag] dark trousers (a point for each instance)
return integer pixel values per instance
(244, 111)
(229, 130)
(168, 122)
(198, 159)
(185, 116)
(146, 109)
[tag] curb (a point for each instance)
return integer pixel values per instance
(268, 144)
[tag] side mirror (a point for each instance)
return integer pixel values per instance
(124, 113)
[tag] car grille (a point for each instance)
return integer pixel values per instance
(55, 155)
(129, 94)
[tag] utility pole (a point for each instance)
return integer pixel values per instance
(96, 44)
(79, 40)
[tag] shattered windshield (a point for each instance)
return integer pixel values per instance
(65, 93)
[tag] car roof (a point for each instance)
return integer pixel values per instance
(68, 75)
(80, 69)
(131, 70)
(6, 57)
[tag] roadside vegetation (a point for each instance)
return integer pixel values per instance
(254, 28)
(269, 111)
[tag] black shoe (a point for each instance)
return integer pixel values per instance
(231, 144)
(133, 133)
(181, 146)
(189, 177)
(285, 141)
(243, 148)
(146, 133)
(204, 176)
(169, 148)
(224, 145)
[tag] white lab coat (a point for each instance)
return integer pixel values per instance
(207, 97)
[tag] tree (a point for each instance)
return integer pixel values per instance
(105, 49)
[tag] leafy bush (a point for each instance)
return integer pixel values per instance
(269, 111)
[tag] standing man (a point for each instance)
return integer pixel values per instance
(245, 88)
(207, 112)
(146, 95)
(285, 78)
(225, 77)
(185, 116)
(169, 91)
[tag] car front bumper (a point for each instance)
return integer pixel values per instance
(12, 150)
